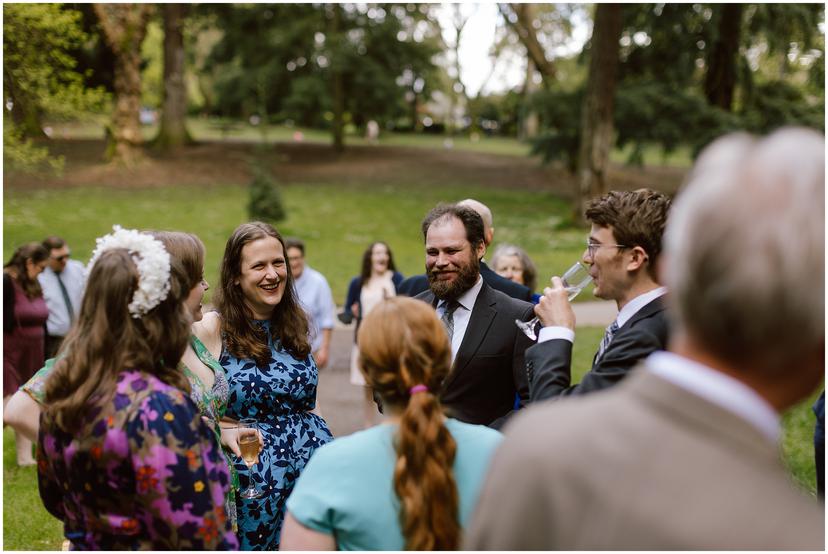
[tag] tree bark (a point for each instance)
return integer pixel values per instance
(720, 80)
(338, 84)
(522, 25)
(124, 27)
(531, 122)
(173, 130)
(597, 110)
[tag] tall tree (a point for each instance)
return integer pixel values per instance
(521, 18)
(173, 130)
(723, 58)
(337, 80)
(597, 111)
(124, 27)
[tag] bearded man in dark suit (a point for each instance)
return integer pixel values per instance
(487, 347)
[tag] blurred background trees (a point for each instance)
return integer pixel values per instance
(663, 76)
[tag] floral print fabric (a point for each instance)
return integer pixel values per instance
(279, 395)
(142, 472)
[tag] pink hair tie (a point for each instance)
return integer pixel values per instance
(418, 388)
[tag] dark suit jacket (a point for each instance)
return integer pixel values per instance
(489, 368)
(548, 363)
(417, 284)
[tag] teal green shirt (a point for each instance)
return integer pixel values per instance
(347, 489)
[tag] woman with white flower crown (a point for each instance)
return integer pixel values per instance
(208, 384)
(124, 457)
(262, 333)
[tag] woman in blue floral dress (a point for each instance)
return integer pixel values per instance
(125, 459)
(263, 335)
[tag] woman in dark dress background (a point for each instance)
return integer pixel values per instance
(24, 316)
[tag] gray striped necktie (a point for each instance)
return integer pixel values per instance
(448, 316)
(66, 299)
(605, 342)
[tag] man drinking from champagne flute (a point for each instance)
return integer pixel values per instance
(622, 253)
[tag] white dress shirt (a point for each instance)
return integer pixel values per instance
(630, 309)
(717, 388)
(462, 315)
(315, 296)
(73, 277)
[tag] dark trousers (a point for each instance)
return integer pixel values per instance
(52, 345)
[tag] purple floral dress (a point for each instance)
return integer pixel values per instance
(142, 472)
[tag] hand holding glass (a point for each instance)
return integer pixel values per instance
(574, 281)
(250, 447)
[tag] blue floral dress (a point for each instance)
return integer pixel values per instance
(142, 472)
(279, 395)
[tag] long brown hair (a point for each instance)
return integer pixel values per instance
(107, 340)
(188, 250)
(365, 270)
(242, 338)
(402, 344)
(35, 252)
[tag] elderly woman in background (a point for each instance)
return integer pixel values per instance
(24, 316)
(513, 263)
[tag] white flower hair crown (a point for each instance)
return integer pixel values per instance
(151, 259)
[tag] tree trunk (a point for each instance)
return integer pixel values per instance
(531, 122)
(124, 27)
(173, 131)
(720, 81)
(597, 111)
(338, 84)
(523, 26)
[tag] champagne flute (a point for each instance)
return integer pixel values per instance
(574, 281)
(250, 447)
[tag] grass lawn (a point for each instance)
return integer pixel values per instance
(337, 222)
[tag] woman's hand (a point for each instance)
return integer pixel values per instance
(230, 438)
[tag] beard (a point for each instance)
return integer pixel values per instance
(451, 290)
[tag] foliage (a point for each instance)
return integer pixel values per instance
(265, 202)
(560, 116)
(21, 155)
(285, 71)
(40, 77)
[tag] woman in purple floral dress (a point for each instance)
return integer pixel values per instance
(124, 457)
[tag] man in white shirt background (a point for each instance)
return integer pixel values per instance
(684, 453)
(62, 282)
(315, 295)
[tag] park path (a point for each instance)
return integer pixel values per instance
(340, 402)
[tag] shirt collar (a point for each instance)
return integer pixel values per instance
(632, 307)
(468, 298)
(717, 388)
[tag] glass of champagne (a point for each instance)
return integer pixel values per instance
(574, 281)
(249, 446)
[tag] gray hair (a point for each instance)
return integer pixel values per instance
(530, 273)
(745, 250)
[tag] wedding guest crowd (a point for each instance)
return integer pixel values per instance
(140, 410)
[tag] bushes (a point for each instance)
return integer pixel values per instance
(265, 202)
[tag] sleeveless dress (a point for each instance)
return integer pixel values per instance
(24, 347)
(279, 395)
(378, 290)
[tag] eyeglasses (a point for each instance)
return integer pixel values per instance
(61, 258)
(593, 246)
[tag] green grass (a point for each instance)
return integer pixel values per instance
(337, 222)
(26, 523)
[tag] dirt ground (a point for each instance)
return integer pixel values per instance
(210, 163)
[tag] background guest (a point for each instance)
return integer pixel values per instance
(410, 485)
(24, 316)
(377, 281)
(62, 282)
(513, 263)
(261, 331)
(124, 458)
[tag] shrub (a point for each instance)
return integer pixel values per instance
(266, 202)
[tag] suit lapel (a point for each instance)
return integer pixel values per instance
(647, 310)
(481, 319)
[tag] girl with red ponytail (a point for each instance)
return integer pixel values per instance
(407, 484)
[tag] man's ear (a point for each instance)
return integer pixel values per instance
(481, 250)
(638, 257)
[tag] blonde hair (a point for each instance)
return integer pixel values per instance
(402, 344)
